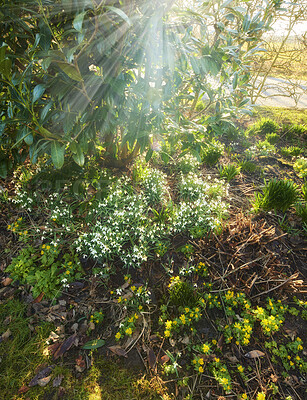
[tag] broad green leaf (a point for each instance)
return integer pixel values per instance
(79, 156)
(57, 154)
(120, 13)
(243, 102)
(38, 92)
(93, 344)
(149, 155)
(3, 169)
(6, 68)
(2, 52)
(47, 134)
(78, 21)
(195, 66)
(29, 139)
(45, 111)
(73, 147)
(70, 70)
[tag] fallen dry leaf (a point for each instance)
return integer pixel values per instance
(164, 359)
(65, 346)
(231, 357)
(7, 281)
(119, 351)
(41, 375)
(44, 381)
(254, 354)
(151, 358)
(6, 334)
(23, 389)
(54, 347)
(39, 298)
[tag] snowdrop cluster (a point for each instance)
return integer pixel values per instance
(187, 163)
(23, 199)
(155, 186)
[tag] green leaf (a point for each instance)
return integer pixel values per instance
(149, 155)
(45, 111)
(29, 139)
(38, 92)
(243, 102)
(79, 156)
(78, 21)
(70, 70)
(93, 344)
(57, 154)
(3, 169)
(120, 13)
(235, 80)
(2, 52)
(6, 68)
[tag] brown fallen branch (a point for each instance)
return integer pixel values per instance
(292, 277)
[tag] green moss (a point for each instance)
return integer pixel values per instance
(22, 354)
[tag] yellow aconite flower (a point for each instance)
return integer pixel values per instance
(261, 396)
(200, 369)
(206, 348)
(128, 331)
(118, 335)
(240, 368)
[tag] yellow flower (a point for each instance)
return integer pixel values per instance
(299, 347)
(182, 319)
(118, 336)
(43, 246)
(19, 219)
(194, 361)
(48, 248)
(168, 324)
(240, 368)
(25, 232)
(128, 331)
(206, 348)
(140, 308)
(200, 369)
(53, 219)
(67, 272)
(201, 361)
(244, 396)
(42, 252)
(214, 341)
(261, 396)
(217, 360)
(133, 288)
(167, 333)
(97, 321)
(119, 300)
(9, 227)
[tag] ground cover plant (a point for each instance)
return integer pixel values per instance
(152, 227)
(168, 267)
